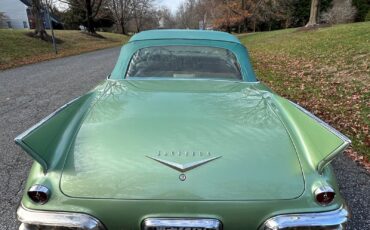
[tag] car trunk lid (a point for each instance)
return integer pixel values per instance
(183, 140)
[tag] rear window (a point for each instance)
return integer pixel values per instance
(184, 62)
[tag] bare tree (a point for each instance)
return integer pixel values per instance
(286, 11)
(342, 11)
(250, 9)
(314, 13)
(166, 18)
(187, 15)
(89, 17)
(91, 9)
(122, 13)
(50, 4)
(140, 11)
(206, 11)
(36, 10)
(201, 9)
(234, 14)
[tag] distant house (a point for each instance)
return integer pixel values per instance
(20, 16)
(16, 13)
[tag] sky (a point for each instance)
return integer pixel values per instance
(171, 4)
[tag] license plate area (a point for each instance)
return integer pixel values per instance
(181, 224)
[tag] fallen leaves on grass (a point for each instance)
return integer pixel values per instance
(337, 94)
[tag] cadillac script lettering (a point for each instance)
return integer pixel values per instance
(162, 157)
(184, 153)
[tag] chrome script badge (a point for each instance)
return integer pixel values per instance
(184, 167)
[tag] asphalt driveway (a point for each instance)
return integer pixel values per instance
(29, 93)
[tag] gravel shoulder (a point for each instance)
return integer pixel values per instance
(29, 93)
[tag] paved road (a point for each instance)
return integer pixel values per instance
(29, 93)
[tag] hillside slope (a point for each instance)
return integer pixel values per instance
(325, 70)
(17, 48)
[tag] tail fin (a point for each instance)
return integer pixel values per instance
(317, 139)
(47, 141)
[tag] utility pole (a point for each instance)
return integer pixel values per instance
(52, 31)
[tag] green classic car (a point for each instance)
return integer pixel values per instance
(182, 136)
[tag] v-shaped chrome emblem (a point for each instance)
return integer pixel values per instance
(183, 167)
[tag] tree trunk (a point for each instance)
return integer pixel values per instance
(314, 13)
(228, 29)
(138, 23)
(205, 21)
(89, 17)
(245, 21)
(245, 25)
(39, 24)
(123, 29)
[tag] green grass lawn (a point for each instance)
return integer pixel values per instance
(326, 70)
(16, 48)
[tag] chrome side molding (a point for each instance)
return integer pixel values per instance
(34, 218)
(181, 223)
(334, 220)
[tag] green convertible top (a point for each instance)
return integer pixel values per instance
(184, 34)
(184, 38)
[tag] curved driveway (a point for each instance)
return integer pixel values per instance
(29, 93)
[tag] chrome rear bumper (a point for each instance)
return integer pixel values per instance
(31, 219)
(333, 220)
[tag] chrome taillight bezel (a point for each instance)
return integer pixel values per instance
(39, 194)
(324, 191)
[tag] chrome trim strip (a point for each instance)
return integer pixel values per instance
(324, 188)
(333, 220)
(166, 223)
(181, 79)
(323, 123)
(38, 124)
(62, 219)
(185, 39)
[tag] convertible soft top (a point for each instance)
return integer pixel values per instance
(165, 38)
(184, 34)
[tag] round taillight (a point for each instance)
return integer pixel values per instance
(324, 195)
(39, 194)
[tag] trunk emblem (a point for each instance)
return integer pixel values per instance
(182, 177)
(183, 167)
